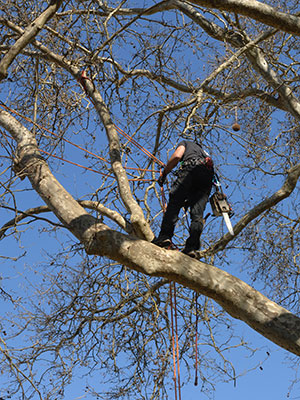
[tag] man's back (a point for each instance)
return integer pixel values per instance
(192, 151)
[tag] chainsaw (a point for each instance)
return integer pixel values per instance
(220, 205)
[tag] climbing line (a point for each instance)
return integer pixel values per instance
(82, 80)
(174, 324)
(176, 340)
(173, 342)
(51, 132)
(74, 163)
(82, 166)
(145, 151)
(77, 146)
(196, 339)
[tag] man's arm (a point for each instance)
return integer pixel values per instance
(172, 162)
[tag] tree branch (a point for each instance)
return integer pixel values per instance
(256, 10)
(236, 297)
(92, 205)
(287, 188)
(29, 33)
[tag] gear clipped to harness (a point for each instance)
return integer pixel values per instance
(220, 205)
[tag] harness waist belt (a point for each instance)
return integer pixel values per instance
(206, 161)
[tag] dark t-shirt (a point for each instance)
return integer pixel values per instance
(192, 150)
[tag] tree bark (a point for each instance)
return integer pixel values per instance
(235, 296)
(256, 10)
(138, 221)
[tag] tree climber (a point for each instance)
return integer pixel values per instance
(191, 189)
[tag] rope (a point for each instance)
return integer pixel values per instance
(196, 340)
(173, 306)
(176, 337)
(51, 133)
(173, 342)
(77, 146)
(145, 151)
(82, 80)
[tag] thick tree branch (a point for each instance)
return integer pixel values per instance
(140, 225)
(236, 297)
(287, 188)
(256, 10)
(29, 33)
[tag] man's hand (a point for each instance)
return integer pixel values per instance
(161, 179)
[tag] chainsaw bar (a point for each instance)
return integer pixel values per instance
(220, 206)
(228, 223)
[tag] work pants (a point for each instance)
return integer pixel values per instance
(191, 188)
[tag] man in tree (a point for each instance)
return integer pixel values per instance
(191, 189)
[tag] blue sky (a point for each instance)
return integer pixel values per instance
(271, 381)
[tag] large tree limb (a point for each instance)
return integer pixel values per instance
(236, 297)
(29, 33)
(256, 10)
(139, 223)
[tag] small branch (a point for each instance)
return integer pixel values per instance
(21, 215)
(92, 205)
(29, 33)
(285, 191)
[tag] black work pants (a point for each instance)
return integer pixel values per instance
(192, 188)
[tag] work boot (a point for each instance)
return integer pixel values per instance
(162, 242)
(191, 253)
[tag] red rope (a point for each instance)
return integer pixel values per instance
(176, 337)
(174, 327)
(139, 146)
(173, 342)
(77, 146)
(196, 340)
